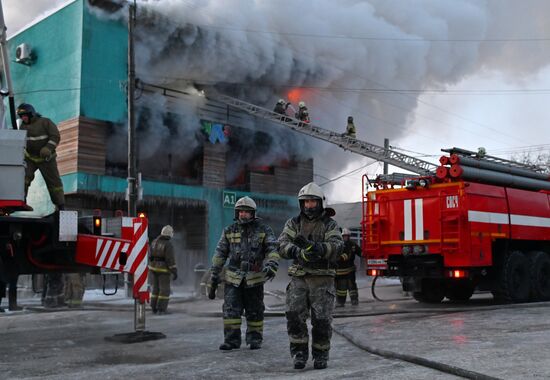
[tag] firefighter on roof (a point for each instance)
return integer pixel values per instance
(250, 247)
(313, 241)
(42, 140)
(162, 264)
(345, 272)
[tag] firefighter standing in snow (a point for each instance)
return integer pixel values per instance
(345, 272)
(245, 244)
(313, 241)
(42, 140)
(162, 264)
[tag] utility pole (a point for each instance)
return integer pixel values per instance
(132, 171)
(386, 147)
(7, 74)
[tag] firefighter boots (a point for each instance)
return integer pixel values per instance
(320, 363)
(300, 361)
(228, 346)
(255, 346)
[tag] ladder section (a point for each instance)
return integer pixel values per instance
(485, 158)
(345, 142)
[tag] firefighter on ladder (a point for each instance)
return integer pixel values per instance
(251, 249)
(345, 272)
(42, 140)
(162, 264)
(303, 112)
(350, 128)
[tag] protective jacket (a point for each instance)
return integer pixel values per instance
(281, 108)
(161, 259)
(346, 264)
(41, 132)
(323, 230)
(350, 130)
(246, 246)
(302, 114)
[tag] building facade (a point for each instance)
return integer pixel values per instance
(77, 76)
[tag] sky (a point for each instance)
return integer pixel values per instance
(427, 74)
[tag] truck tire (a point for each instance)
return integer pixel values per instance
(515, 284)
(460, 291)
(540, 276)
(433, 291)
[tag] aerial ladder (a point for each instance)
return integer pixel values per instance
(376, 152)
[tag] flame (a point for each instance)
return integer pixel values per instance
(295, 95)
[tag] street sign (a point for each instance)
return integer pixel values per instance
(229, 199)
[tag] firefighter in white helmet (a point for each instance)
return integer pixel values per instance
(249, 247)
(303, 112)
(345, 272)
(162, 264)
(314, 243)
(350, 128)
(281, 106)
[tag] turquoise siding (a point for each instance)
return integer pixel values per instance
(104, 68)
(218, 216)
(52, 82)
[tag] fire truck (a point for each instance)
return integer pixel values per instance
(477, 222)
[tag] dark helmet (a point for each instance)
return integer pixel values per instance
(25, 109)
(350, 119)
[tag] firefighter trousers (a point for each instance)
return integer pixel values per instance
(49, 171)
(239, 300)
(305, 295)
(52, 293)
(345, 284)
(160, 293)
(74, 289)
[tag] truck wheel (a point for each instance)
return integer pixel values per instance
(514, 279)
(540, 276)
(460, 292)
(433, 291)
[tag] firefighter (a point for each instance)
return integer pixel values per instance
(345, 272)
(52, 291)
(42, 140)
(162, 264)
(313, 241)
(281, 107)
(303, 113)
(251, 249)
(350, 128)
(74, 289)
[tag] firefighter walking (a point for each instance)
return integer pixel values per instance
(251, 249)
(162, 264)
(42, 140)
(345, 272)
(313, 241)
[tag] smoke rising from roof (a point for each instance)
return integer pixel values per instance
(357, 50)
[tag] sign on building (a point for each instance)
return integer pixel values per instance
(229, 199)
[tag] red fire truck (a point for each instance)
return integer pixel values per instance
(479, 222)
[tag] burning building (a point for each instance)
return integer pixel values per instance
(196, 157)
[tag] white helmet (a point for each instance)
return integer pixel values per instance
(167, 231)
(245, 204)
(481, 152)
(346, 231)
(302, 104)
(281, 101)
(312, 191)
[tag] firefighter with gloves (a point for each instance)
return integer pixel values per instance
(162, 264)
(250, 249)
(345, 272)
(313, 241)
(303, 112)
(42, 140)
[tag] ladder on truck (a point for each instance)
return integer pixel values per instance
(345, 142)
(497, 160)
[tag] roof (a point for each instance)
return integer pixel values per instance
(348, 215)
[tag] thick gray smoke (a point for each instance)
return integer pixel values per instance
(345, 56)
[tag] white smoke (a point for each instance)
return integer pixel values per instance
(265, 48)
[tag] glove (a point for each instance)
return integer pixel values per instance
(46, 153)
(214, 278)
(174, 275)
(344, 257)
(270, 269)
(302, 243)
